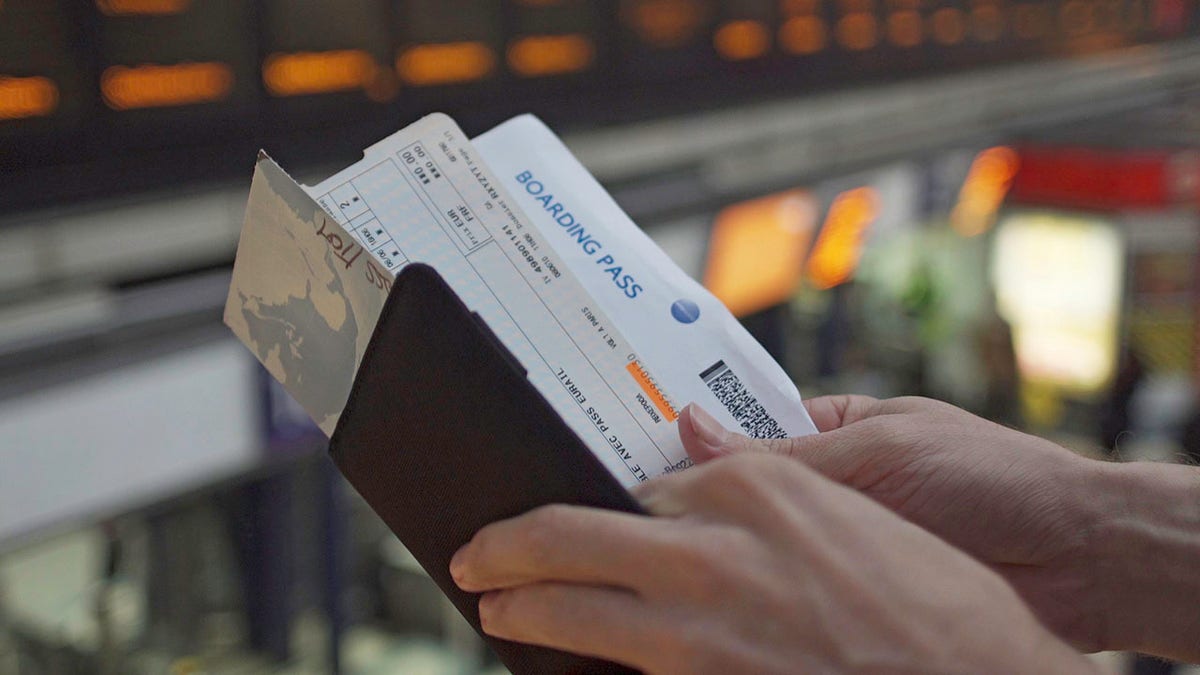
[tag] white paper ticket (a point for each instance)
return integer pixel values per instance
(688, 339)
(424, 195)
(315, 264)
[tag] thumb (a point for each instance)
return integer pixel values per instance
(705, 438)
(839, 454)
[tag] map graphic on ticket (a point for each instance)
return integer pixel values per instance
(610, 331)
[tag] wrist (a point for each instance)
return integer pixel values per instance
(1145, 554)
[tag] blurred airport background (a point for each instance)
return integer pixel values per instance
(993, 202)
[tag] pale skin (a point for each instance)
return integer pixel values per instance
(907, 537)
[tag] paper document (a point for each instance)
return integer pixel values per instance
(611, 332)
(698, 349)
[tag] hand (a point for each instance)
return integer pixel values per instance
(1076, 537)
(755, 564)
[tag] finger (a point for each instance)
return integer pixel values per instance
(605, 623)
(834, 412)
(559, 543)
(705, 438)
(872, 434)
(841, 454)
(661, 496)
(854, 433)
(708, 490)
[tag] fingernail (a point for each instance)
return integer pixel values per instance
(707, 428)
(457, 565)
(487, 602)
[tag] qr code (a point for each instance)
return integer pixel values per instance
(749, 413)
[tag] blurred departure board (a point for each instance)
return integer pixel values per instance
(192, 86)
(553, 38)
(449, 42)
(315, 48)
(44, 80)
(164, 67)
(666, 39)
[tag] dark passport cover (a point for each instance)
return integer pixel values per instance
(442, 434)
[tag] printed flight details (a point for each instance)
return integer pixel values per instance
(440, 204)
(315, 263)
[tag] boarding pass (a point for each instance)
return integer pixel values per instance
(613, 334)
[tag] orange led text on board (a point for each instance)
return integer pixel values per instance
(542, 55)
(664, 24)
(857, 31)
(742, 40)
(156, 86)
(142, 7)
(445, 63)
(803, 35)
(23, 97)
(301, 73)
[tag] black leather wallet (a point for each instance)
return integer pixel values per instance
(443, 434)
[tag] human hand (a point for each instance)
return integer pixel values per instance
(754, 564)
(1074, 536)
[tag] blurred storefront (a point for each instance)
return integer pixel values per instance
(1017, 280)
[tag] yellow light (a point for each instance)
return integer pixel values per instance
(742, 40)
(541, 55)
(949, 28)
(142, 7)
(756, 252)
(984, 189)
(803, 35)
(1058, 282)
(665, 24)
(302, 73)
(857, 31)
(22, 97)
(904, 28)
(839, 246)
(445, 63)
(155, 86)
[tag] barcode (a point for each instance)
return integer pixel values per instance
(749, 413)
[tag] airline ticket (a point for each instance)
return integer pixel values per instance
(698, 349)
(315, 263)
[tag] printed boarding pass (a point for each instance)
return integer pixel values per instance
(612, 333)
(698, 349)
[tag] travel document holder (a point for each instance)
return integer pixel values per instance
(442, 434)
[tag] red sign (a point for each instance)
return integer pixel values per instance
(1110, 180)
